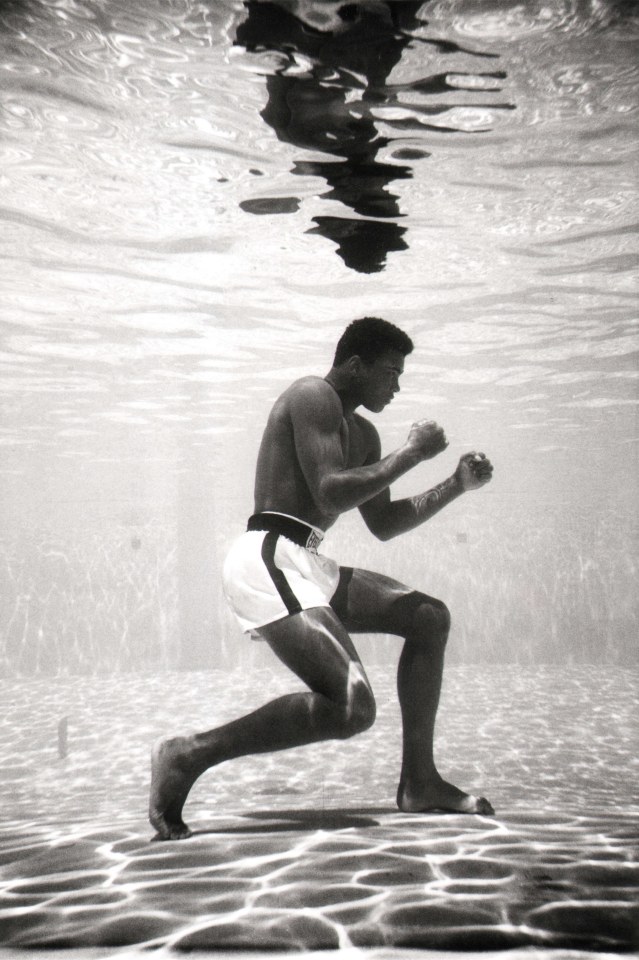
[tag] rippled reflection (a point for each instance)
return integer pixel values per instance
(328, 93)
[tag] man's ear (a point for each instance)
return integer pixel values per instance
(355, 366)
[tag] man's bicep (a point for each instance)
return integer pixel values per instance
(317, 442)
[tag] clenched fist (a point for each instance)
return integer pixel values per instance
(473, 471)
(427, 439)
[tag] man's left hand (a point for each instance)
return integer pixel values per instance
(474, 470)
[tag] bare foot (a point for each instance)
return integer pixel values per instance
(171, 779)
(440, 795)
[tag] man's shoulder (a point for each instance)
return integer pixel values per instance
(312, 388)
(310, 383)
(312, 401)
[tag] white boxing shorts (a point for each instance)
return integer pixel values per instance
(273, 570)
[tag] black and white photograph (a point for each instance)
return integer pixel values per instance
(319, 473)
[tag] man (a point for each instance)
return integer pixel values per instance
(319, 458)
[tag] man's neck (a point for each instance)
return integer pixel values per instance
(339, 384)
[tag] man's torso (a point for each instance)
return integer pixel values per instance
(280, 484)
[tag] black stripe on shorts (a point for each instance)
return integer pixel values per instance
(277, 576)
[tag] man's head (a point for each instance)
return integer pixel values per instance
(369, 338)
(369, 361)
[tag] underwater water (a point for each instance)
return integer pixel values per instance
(196, 197)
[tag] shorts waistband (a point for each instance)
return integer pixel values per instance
(304, 534)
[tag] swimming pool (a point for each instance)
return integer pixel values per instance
(197, 196)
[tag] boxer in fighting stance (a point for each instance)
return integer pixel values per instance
(319, 458)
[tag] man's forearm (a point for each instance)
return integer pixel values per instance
(350, 488)
(405, 515)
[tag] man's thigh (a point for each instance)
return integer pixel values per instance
(369, 602)
(315, 645)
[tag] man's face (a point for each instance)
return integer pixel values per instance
(380, 380)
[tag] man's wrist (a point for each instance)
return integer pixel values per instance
(456, 486)
(426, 504)
(408, 456)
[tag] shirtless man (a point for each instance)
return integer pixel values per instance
(319, 458)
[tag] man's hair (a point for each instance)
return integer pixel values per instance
(369, 338)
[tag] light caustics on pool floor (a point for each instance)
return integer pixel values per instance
(298, 879)
(306, 849)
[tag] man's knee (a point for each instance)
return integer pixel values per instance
(422, 616)
(434, 616)
(358, 713)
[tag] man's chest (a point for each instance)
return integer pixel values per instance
(354, 444)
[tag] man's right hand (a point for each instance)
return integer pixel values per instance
(426, 439)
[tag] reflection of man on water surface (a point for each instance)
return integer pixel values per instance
(329, 79)
(335, 59)
(318, 459)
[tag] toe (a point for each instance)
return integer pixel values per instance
(180, 832)
(173, 831)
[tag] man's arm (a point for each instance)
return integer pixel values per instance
(386, 518)
(321, 441)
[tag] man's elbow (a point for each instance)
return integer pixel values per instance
(328, 500)
(387, 534)
(334, 497)
(382, 530)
